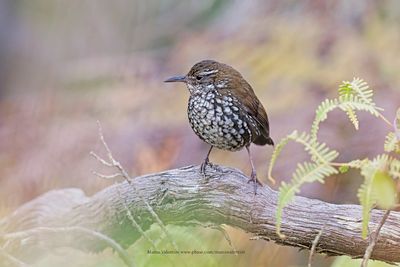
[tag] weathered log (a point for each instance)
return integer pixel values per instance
(184, 197)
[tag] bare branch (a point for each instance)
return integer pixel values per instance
(373, 239)
(314, 246)
(123, 173)
(106, 176)
(102, 161)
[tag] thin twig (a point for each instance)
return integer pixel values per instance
(12, 259)
(385, 120)
(127, 259)
(105, 176)
(374, 238)
(226, 236)
(396, 123)
(102, 161)
(114, 163)
(314, 245)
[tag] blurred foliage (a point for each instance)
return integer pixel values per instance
(345, 261)
(207, 247)
(66, 64)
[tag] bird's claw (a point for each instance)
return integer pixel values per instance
(253, 178)
(206, 164)
(203, 167)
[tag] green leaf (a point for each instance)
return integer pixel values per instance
(394, 169)
(357, 163)
(365, 196)
(308, 172)
(378, 187)
(354, 95)
(345, 261)
(344, 168)
(320, 153)
(353, 117)
(321, 114)
(277, 151)
(357, 87)
(392, 144)
(384, 190)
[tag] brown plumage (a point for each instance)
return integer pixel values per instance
(242, 90)
(223, 109)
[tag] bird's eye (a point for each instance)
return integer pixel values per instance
(198, 77)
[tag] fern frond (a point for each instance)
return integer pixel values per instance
(352, 117)
(277, 151)
(354, 95)
(319, 152)
(365, 196)
(357, 163)
(392, 143)
(378, 187)
(357, 87)
(355, 103)
(307, 172)
(321, 114)
(394, 169)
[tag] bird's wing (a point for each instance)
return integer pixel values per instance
(253, 107)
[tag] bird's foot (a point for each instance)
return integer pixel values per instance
(253, 178)
(206, 164)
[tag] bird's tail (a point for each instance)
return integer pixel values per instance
(270, 141)
(263, 140)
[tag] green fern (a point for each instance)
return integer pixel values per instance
(319, 153)
(392, 144)
(321, 114)
(352, 117)
(278, 148)
(357, 87)
(394, 169)
(357, 163)
(353, 96)
(307, 172)
(365, 196)
(378, 187)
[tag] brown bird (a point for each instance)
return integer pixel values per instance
(224, 111)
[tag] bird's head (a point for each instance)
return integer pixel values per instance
(208, 75)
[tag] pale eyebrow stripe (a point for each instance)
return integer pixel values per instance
(208, 72)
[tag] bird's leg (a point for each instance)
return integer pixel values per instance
(253, 176)
(205, 162)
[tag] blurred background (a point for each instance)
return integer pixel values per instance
(66, 64)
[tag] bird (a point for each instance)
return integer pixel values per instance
(224, 111)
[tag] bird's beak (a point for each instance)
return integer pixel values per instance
(176, 79)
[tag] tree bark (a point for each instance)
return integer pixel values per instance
(184, 197)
